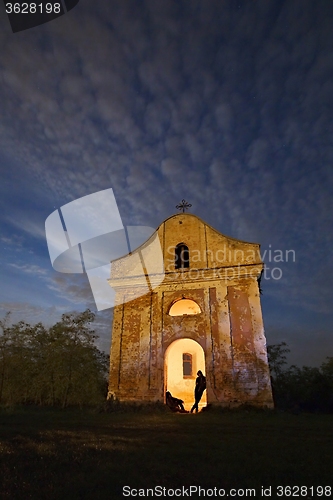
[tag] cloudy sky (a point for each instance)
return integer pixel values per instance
(228, 104)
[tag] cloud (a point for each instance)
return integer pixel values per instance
(25, 224)
(23, 311)
(14, 241)
(73, 288)
(30, 269)
(215, 102)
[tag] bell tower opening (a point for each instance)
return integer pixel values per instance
(182, 256)
(183, 358)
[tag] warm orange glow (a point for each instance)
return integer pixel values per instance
(184, 306)
(181, 386)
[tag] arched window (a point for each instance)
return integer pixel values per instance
(184, 306)
(187, 365)
(182, 256)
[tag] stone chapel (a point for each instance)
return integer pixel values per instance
(186, 300)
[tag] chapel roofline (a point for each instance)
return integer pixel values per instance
(206, 224)
(180, 215)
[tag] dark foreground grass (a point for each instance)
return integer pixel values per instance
(76, 454)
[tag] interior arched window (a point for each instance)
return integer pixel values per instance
(187, 364)
(184, 306)
(182, 256)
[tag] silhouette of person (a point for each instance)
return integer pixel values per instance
(175, 404)
(200, 386)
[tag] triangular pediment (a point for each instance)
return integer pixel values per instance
(209, 250)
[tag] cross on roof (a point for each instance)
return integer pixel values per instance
(183, 206)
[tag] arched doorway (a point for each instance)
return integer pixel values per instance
(183, 358)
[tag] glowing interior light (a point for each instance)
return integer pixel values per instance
(179, 384)
(184, 306)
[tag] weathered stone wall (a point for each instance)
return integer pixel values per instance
(222, 279)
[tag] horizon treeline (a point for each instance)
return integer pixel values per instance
(300, 389)
(61, 366)
(56, 366)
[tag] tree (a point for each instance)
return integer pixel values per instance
(277, 358)
(59, 366)
(4, 341)
(306, 388)
(79, 367)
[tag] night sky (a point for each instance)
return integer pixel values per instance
(227, 104)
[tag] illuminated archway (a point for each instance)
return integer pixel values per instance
(184, 306)
(177, 379)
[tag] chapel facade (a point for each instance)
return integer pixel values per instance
(186, 300)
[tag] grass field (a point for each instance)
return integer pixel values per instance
(84, 454)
